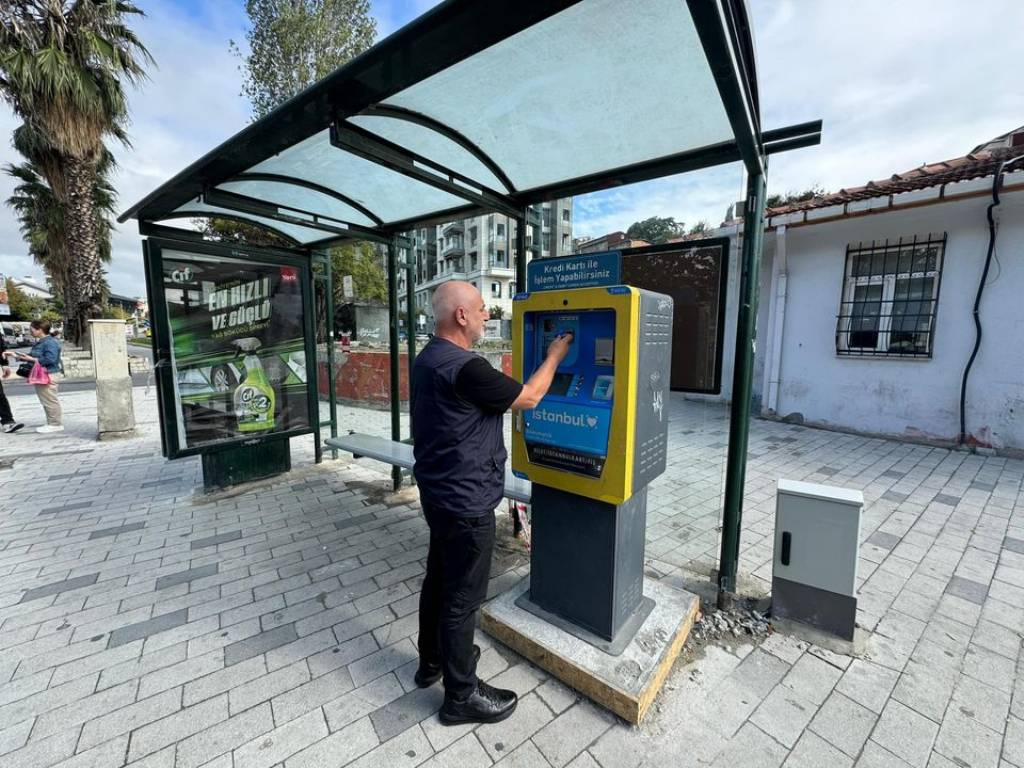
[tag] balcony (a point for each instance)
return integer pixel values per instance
(453, 228)
(455, 246)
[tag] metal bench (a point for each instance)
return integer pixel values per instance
(400, 455)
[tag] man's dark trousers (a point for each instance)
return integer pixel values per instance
(6, 417)
(458, 566)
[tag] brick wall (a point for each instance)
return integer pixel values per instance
(365, 376)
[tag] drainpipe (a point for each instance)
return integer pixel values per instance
(777, 313)
(997, 182)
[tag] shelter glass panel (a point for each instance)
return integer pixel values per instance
(280, 193)
(431, 145)
(390, 195)
(548, 103)
(296, 232)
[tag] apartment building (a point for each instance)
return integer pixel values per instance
(481, 251)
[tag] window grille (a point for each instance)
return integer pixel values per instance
(890, 298)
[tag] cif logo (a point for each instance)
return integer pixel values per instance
(567, 419)
(183, 275)
(253, 399)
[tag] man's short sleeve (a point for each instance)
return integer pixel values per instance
(486, 388)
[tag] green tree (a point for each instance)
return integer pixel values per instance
(656, 229)
(112, 312)
(63, 65)
(497, 312)
(23, 306)
(699, 228)
(361, 261)
(239, 233)
(294, 43)
(777, 201)
(42, 217)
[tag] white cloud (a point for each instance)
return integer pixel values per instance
(897, 85)
(190, 104)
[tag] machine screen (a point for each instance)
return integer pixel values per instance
(569, 428)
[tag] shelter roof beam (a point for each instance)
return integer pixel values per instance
(426, 121)
(728, 69)
(278, 178)
(250, 205)
(186, 214)
(363, 143)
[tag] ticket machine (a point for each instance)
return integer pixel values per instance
(590, 448)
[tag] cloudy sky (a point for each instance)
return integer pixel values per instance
(897, 85)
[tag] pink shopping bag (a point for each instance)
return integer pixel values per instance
(38, 375)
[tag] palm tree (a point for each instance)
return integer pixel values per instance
(63, 64)
(41, 215)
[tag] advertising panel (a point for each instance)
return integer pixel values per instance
(694, 274)
(236, 337)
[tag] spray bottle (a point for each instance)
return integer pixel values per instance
(254, 397)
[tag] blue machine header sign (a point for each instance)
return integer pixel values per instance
(588, 270)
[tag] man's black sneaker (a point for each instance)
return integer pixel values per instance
(428, 674)
(484, 705)
(14, 426)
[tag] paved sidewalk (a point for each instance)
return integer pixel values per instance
(144, 624)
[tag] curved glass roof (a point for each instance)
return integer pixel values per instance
(489, 106)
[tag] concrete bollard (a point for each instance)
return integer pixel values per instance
(115, 410)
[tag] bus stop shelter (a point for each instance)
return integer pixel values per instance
(494, 107)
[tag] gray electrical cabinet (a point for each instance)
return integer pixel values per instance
(817, 534)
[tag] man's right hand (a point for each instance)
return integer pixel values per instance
(559, 348)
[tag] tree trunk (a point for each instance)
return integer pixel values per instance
(83, 245)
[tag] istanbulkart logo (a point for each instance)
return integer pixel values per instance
(565, 419)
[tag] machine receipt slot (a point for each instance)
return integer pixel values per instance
(569, 428)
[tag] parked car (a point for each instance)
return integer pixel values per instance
(13, 335)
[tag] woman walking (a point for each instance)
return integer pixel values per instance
(46, 352)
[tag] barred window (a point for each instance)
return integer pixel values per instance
(890, 296)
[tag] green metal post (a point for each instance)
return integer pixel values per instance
(521, 225)
(410, 323)
(332, 370)
(739, 412)
(393, 341)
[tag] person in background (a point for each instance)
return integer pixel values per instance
(46, 352)
(7, 422)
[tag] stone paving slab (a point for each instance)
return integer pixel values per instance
(145, 624)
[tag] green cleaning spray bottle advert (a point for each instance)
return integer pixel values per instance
(254, 397)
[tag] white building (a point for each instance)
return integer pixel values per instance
(865, 318)
(481, 250)
(32, 289)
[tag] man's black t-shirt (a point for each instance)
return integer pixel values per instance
(488, 389)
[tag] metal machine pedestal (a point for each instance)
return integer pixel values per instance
(587, 566)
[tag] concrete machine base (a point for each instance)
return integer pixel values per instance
(625, 684)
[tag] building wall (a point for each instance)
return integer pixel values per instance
(910, 398)
(555, 239)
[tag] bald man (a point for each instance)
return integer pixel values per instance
(458, 404)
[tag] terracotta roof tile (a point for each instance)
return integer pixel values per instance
(975, 165)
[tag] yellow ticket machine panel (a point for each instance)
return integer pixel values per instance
(583, 436)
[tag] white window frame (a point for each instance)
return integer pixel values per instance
(888, 299)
